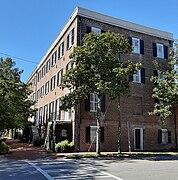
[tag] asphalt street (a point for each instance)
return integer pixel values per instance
(89, 169)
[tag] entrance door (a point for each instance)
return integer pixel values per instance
(138, 139)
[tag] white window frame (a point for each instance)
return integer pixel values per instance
(96, 30)
(51, 112)
(70, 39)
(93, 134)
(53, 61)
(93, 102)
(160, 50)
(53, 83)
(40, 115)
(58, 109)
(42, 91)
(61, 50)
(137, 77)
(68, 115)
(47, 87)
(47, 65)
(45, 114)
(70, 65)
(59, 77)
(135, 48)
(164, 136)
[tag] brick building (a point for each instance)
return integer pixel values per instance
(139, 131)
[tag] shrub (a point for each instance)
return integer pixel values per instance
(64, 146)
(3, 147)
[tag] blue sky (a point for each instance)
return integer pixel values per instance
(28, 27)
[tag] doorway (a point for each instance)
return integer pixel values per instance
(138, 139)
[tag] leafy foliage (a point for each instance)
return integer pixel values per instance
(165, 91)
(14, 106)
(98, 68)
(64, 146)
(3, 147)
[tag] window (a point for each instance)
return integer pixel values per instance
(47, 65)
(69, 65)
(38, 95)
(53, 62)
(58, 112)
(160, 50)
(51, 111)
(39, 75)
(68, 115)
(53, 80)
(35, 80)
(164, 136)
(45, 114)
(42, 91)
(59, 77)
(91, 134)
(137, 77)
(40, 115)
(93, 102)
(46, 87)
(95, 30)
(136, 45)
(61, 50)
(43, 71)
(70, 39)
(34, 96)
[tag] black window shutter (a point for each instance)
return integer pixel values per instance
(154, 50)
(169, 137)
(87, 135)
(59, 52)
(141, 46)
(73, 36)
(159, 136)
(143, 75)
(103, 103)
(88, 30)
(102, 134)
(62, 48)
(155, 73)
(68, 42)
(130, 40)
(130, 77)
(87, 104)
(67, 66)
(55, 56)
(165, 52)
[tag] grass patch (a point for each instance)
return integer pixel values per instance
(121, 155)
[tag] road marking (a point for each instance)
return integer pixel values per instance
(110, 175)
(45, 174)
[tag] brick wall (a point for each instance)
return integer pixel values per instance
(134, 110)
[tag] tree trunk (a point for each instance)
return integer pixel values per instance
(119, 126)
(98, 124)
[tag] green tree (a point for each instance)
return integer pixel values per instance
(98, 69)
(165, 91)
(15, 105)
